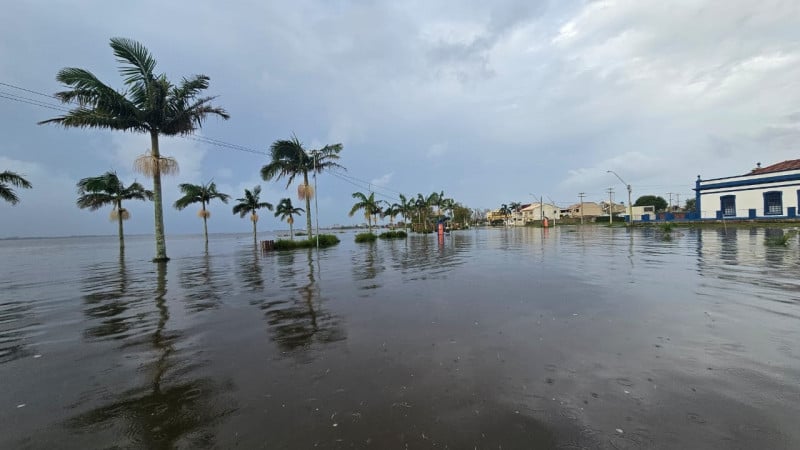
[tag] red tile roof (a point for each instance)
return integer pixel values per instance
(793, 164)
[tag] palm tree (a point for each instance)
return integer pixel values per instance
(505, 211)
(368, 204)
(150, 104)
(13, 179)
(286, 210)
(251, 203)
(406, 208)
(107, 189)
(203, 193)
(391, 211)
(289, 159)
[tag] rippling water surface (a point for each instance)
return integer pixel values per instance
(511, 338)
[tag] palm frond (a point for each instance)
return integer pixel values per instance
(14, 179)
(137, 62)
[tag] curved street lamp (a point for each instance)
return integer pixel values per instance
(630, 205)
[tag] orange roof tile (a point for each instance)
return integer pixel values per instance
(793, 164)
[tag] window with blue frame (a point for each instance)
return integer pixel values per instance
(728, 205)
(773, 203)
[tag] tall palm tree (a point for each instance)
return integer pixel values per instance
(203, 194)
(286, 211)
(289, 159)
(150, 104)
(251, 203)
(370, 206)
(107, 189)
(8, 179)
(406, 208)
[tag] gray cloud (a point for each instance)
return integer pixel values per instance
(488, 101)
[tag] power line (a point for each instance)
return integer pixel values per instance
(388, 193)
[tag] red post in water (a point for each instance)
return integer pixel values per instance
(545, 223)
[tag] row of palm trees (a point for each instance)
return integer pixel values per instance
(107, 189)
(420, 207)
(152, 104)
(8, 180)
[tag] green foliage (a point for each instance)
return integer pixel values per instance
(325, 240)
(366, 237)
(199, 193)
(666, 227)
(288, 159)
(691, 205)
(779, 240)
(399, 234)
(7, 179)
(652, 200)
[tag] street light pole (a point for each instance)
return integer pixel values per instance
(630, 205)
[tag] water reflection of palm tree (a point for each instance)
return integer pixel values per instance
(171, 408)
(250, 270)
(107, 300)
(200, 285)
(370, 266)
(298, 321)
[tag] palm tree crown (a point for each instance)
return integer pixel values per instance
(370, 206)
(107, 189)
(151, 104)
(8, 179)
(289, 159)
(199, 193)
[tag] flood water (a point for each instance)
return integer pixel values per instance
(496, 338)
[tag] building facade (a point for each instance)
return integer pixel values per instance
(765, 192)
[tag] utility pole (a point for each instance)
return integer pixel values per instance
(678, 201)
(610, 205)
(670, 201)
(581, 195)
(630, 205)
(541, 208)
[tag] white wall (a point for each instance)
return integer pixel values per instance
(748, 199)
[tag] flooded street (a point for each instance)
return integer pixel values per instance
(572, 337)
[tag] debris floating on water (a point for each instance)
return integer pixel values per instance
(619, 430)
(21, 405)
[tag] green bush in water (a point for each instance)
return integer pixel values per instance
(325, 240)
(365, 237)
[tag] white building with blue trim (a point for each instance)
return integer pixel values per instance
(765, 192)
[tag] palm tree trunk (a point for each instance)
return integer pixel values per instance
(255, 238)
(205, 224)
(291, 232)
(369, 222)
(119, 221)
(308, 206)
(161, 245)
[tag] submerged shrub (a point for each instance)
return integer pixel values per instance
(781, 240)
(365, 237)
(325, 240)
(666, 227)
(399, 234)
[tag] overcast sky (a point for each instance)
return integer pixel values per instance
(488, 101)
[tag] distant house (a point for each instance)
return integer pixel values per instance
(764, 192)
(537, 211)
(588, 210)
